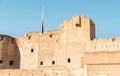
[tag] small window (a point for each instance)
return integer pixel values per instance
(41, 63)
(32, 50)
(29, 37)
(11, 63)
(9, 74)
(53, 62)
(56, 41)
(57, 73)
(1, 38)
(77, 25)
(1, 61)
(44, 74)
(32, 74)
(50, 36)
(69, 60)
(113, 39)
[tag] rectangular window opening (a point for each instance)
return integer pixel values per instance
(11, 63)
(53, 62)
(1, 38)
(69, 60)
(50, 35)
(32, 50)
(41, 63)
(113, 39)
(78, 25)
(1, 61)
(29, 37)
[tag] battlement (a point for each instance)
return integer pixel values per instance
(83, 28)
(77, 21)
(108, 44)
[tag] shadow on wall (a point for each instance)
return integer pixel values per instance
(9, 53)
(16, 56)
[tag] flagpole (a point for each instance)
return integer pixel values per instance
(42, 20)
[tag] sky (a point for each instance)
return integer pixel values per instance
(18, 17)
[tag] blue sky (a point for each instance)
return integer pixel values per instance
(18, 17)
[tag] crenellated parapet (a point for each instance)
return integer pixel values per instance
(105, 44)
(79, 28)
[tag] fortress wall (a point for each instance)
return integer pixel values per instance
(76, 34)
(102, 58)
(105, 63)
(45, 72)
(70, 51)
(28, 46)
(8, 52)
(104, 70)
(56, 51)
(104, 44)
(64, 47)
(60, 48)
(19, 72)
(51, 51)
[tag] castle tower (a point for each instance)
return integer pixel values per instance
(79, 28)
(9, 53)
(76, 34)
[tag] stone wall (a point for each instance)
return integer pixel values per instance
(104, 44)
(44, 72)
(28, 46)
(9, 53)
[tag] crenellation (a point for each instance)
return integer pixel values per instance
(108, 44)
(76, 21)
